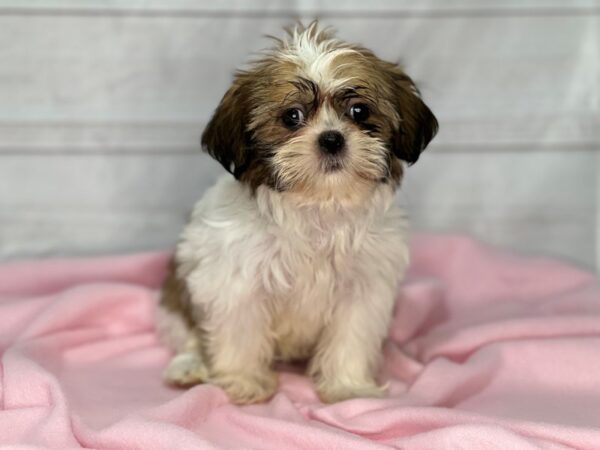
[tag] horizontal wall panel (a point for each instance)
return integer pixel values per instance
(85, 183)
(135, 202)
(511, 180)
(542, 203)
(541, 181)
(290, 6)
(49, 232)
(113, 70)
(538, 85)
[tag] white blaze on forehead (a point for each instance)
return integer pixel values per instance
(328, 119)
(315, 54)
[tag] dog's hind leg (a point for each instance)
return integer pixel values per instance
(176, 328)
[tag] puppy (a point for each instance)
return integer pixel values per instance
(296, 254)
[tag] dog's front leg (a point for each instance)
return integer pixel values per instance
(238, 348)
(349, 351)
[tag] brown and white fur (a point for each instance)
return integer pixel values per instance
(297, 256)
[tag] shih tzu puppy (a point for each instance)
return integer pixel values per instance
(296, 254)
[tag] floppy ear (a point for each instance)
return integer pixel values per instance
(418, 125)
(225, 137)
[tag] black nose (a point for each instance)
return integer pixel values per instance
(331, 142)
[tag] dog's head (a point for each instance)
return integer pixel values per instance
(319, 117)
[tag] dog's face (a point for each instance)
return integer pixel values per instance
(321, 118)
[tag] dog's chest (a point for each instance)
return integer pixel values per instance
(306, 280)
(310, 276)
(312, 267)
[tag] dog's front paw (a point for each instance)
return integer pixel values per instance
(185, 369)
(334, 391)
(245, 389)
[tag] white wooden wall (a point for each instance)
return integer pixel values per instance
(102, 104)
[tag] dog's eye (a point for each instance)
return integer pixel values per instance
(359, 112)
(292, 117)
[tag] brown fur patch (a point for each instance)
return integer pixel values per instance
(174, 295)
(401, 115)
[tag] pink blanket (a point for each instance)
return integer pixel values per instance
(487, 350)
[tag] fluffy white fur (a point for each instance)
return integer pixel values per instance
(316, 58)
(277, 279)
